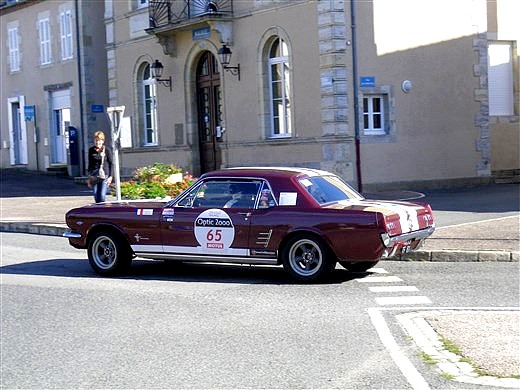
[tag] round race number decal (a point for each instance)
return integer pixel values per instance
(214, 230)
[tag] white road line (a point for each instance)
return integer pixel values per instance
(377, 271)
(411, 300)
(379, 279)
(414, 378)
(475, 222)
(384, 289)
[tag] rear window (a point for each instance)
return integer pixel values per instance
(328, 189)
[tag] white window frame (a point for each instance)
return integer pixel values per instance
(142, 3)
(14, 49)
(66, 35)
(44, 32)
(500, 78)
(370, 113)
(284, 120)
(149, 107)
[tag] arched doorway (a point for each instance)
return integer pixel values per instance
(209, 112)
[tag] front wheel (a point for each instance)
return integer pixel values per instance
(108, 254)
(307, 259)
(361, 266)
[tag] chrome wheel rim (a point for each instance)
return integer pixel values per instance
(104, 252)
(305, 257)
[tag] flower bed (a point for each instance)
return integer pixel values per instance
(156, 181)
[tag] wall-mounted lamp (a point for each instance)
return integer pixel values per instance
(225, 56)
(157, 69)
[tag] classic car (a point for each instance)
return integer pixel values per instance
(306, 220)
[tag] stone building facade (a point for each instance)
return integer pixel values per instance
(386, 94)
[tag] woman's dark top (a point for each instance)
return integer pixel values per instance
(94, 161)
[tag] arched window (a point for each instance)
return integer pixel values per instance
(148, 107)
(280, 83)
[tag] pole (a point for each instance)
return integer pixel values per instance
(356, 94)
(115, 114)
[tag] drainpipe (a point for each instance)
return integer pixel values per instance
(80, 88)
(356, 94)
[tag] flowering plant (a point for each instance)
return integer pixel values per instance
(156, 181)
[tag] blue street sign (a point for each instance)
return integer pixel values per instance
(97, 108)
(29, 113)
(200, 33)
(367, 81)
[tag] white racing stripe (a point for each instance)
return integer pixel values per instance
(407, 214)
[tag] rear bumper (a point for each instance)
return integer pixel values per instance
(406, 242)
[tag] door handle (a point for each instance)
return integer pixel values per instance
(246, 214)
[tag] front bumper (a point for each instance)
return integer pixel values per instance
(70, 234)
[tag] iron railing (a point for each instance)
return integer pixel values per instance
(166, 12)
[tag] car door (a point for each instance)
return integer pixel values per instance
(201, 223)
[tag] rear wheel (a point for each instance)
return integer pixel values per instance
(361, 266)
(109, 254)
(306, 258)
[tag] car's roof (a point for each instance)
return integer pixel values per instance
(266, 172)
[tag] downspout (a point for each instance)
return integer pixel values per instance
(80, 88)
(356, 94)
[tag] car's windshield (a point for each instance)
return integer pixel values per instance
(327, 189)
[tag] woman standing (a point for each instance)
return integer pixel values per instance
(99, 167)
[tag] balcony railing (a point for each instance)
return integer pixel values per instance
(167, 12)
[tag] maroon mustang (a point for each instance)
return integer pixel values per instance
(304, 219)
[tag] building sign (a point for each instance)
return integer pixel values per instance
(200, 33)
(29, 113)
(367, 81)
(97, 108)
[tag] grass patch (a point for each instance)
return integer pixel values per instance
(427, 358)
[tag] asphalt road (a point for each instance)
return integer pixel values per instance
(206, 326)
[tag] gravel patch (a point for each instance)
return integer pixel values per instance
(490, 339)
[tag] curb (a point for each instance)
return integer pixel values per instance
(445, 255)
(49, 229)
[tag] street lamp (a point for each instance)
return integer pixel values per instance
(157, 70)
(225, 56)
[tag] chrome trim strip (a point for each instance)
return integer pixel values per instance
(417, 235)
(209, 259)
(69, 234)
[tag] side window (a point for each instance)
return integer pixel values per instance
(500, 79)
(374, 114)
(147, 106)
(242, 195)
(223, 194)
(377, 114)
(14, 49)
(45, 41)
(66, 35)
(266, 199)
(280, 89)
(142, 3)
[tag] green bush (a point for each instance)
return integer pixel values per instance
(156, 181)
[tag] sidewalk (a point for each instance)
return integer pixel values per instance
(37, 204)
(476, 224)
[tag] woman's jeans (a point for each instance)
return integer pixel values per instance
(99, 188)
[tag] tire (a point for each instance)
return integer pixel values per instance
(306, 258)
(361, 266)
(108, 254)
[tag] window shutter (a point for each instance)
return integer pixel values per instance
(500, 79)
